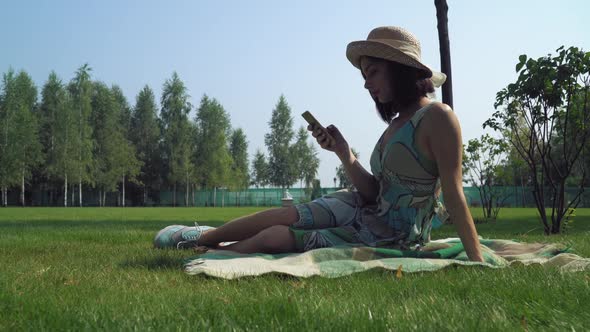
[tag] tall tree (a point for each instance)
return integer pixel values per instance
(8, 154)
(445, 49)
(21, 142)
(113, 154)
(282, 169)
(81, 91)
(238, 149)
(177, 133)
(305, 158)
(259, 174)
(57, 129)
(145, 134)
(127, 152)
(211, 152)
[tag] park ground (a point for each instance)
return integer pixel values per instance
(95, 268)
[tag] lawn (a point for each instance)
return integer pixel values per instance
(94, 268)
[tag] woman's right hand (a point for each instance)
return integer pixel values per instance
(337, 145)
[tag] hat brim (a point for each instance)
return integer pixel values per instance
(356, 50)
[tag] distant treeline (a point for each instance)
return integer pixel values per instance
(84, 137)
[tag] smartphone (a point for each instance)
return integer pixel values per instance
(312, 120)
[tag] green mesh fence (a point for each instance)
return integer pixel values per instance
(509, 197)
(224, 197)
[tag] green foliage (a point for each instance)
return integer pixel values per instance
(546, 110)
(482, 159)
(130, 165)
(20, 150)
(9, 104)
(80, 89)
(260, 170)
(316, 189)
(305, 158)
(178, 143)
(113, 154)
(212, 155)
(282, 168)
(145, 135)
(238, 149)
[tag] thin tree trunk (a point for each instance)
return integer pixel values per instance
(522, 188)
(66, 191)
(445, 51)
(144, 195)
(123, 199)
(80, 190)
(186, 191)
(22, 189)
(174, 196)
(73, 201)
(194, 187)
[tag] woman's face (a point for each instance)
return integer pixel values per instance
(377, 81)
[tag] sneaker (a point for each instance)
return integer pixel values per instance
(179, 236)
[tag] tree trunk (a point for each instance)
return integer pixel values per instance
(66, 191)
(144, 195)
(80, 191)
(174, 196)
(123, 199)
(194, 187)
(445, 50)
(22, 189)
(186, 191)
(73, 189)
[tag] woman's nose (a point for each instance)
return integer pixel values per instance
(367, 84)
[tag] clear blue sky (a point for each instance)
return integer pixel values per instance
(247, 53)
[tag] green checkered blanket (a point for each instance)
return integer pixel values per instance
(340, 261)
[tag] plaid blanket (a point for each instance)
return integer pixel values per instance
(340, 261)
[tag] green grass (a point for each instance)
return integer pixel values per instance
(74, 269)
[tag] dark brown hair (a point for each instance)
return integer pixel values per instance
(408, 84)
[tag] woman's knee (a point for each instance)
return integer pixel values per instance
(277, 238)
(286, 216)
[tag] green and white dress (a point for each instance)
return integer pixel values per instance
(401, 218)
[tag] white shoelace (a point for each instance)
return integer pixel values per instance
(192, 238)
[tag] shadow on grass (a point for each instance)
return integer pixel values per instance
(161, 262)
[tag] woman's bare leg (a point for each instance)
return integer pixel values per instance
(246, 227)
(272, 240)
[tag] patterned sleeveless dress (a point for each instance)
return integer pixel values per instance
(403, 213)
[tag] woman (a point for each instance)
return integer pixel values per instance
(419, 151)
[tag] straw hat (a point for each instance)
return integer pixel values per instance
(393, 44)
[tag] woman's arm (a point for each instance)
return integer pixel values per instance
(364, 182)
(446, 145)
